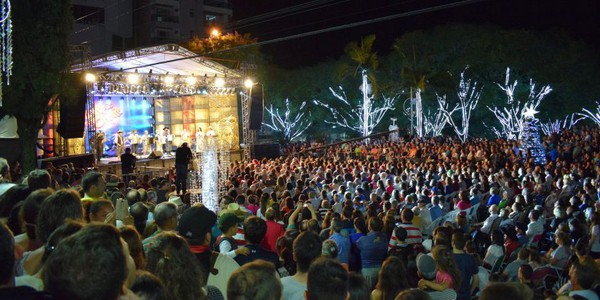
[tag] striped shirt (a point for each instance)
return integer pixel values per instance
(413, 236)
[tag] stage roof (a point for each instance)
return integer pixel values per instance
(171, 58)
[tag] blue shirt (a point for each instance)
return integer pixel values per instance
(467, 267)
(435, 211)
(257, 252)
(343, 243)
(494, 199)
(373, 249)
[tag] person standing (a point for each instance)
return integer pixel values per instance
(127, 164)
(100, 139)
(169, 140)
(145, 140)
(183, 156)
(199, 139)
(134, 140)
(120, 143)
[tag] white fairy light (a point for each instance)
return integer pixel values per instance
(557, 126)
(291, 127)
(468, 95)
(594, 116)
(6, 50)
(512, 116)
(362, 118)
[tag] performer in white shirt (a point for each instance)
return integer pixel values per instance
(134, 140)
(210, 132)
(199, 139)
(145, 141)
(185, 137)
(167, 148)
(161, 140)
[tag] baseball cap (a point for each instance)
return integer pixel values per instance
(195, 222)
(426, 266)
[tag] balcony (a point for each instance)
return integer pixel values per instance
(164, 19)
(217, 3)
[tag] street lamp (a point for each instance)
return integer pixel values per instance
(215, 32)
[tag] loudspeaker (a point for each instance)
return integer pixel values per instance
(72, 112)
(256, 107)
(155, 154)
(267, 151)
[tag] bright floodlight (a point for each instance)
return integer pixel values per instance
(89, 77)
(219, 82)
(190, 80)
(215, 32)
(248, 83)
(133, 78)
(169, 80)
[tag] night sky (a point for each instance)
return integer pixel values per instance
(273, 19)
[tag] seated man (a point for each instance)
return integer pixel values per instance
(254, 280)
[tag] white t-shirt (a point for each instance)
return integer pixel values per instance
(493, 253)
(292, 289)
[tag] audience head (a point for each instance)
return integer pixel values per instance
(93, 184)
(195, 225)
(165, 216)
(169, 257)
(148, 286)
(358, 288)
(413, 294)
(255, 229)
(390, 283)
(307, 248)
(30, 210)
(101, 210)
(55, 210)
(38, 179)
(91, 264)
(255, 280)
(327, 280)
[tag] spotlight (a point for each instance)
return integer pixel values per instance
(248, 83)
(191, 80)
(133, 78)
(169, 80)
(89, 77)
(219, 82)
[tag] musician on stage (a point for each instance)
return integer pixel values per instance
(100, 139)
(168, 140)
(145, 140)
(134, 140)
(199, 139)
(120, 143)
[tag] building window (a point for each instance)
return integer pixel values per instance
(191, 12)
(210, 18)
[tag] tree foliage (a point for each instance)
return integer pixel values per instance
(230, 48)
(40, 69)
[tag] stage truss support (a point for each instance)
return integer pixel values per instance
(248, 136)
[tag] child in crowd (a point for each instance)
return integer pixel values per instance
(225, 243)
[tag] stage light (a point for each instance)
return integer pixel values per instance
(169, 80)
(248, 83)
(190, 80)
(89, 77)
(219, 82)
(133, 78)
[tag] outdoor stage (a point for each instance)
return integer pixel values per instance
(153, 167)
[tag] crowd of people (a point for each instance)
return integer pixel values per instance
(407, 219)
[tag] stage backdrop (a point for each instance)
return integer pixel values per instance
(125, 113)
(198, 111)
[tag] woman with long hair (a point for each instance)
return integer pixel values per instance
(447, 275)
(170, 258)
(389, 283)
